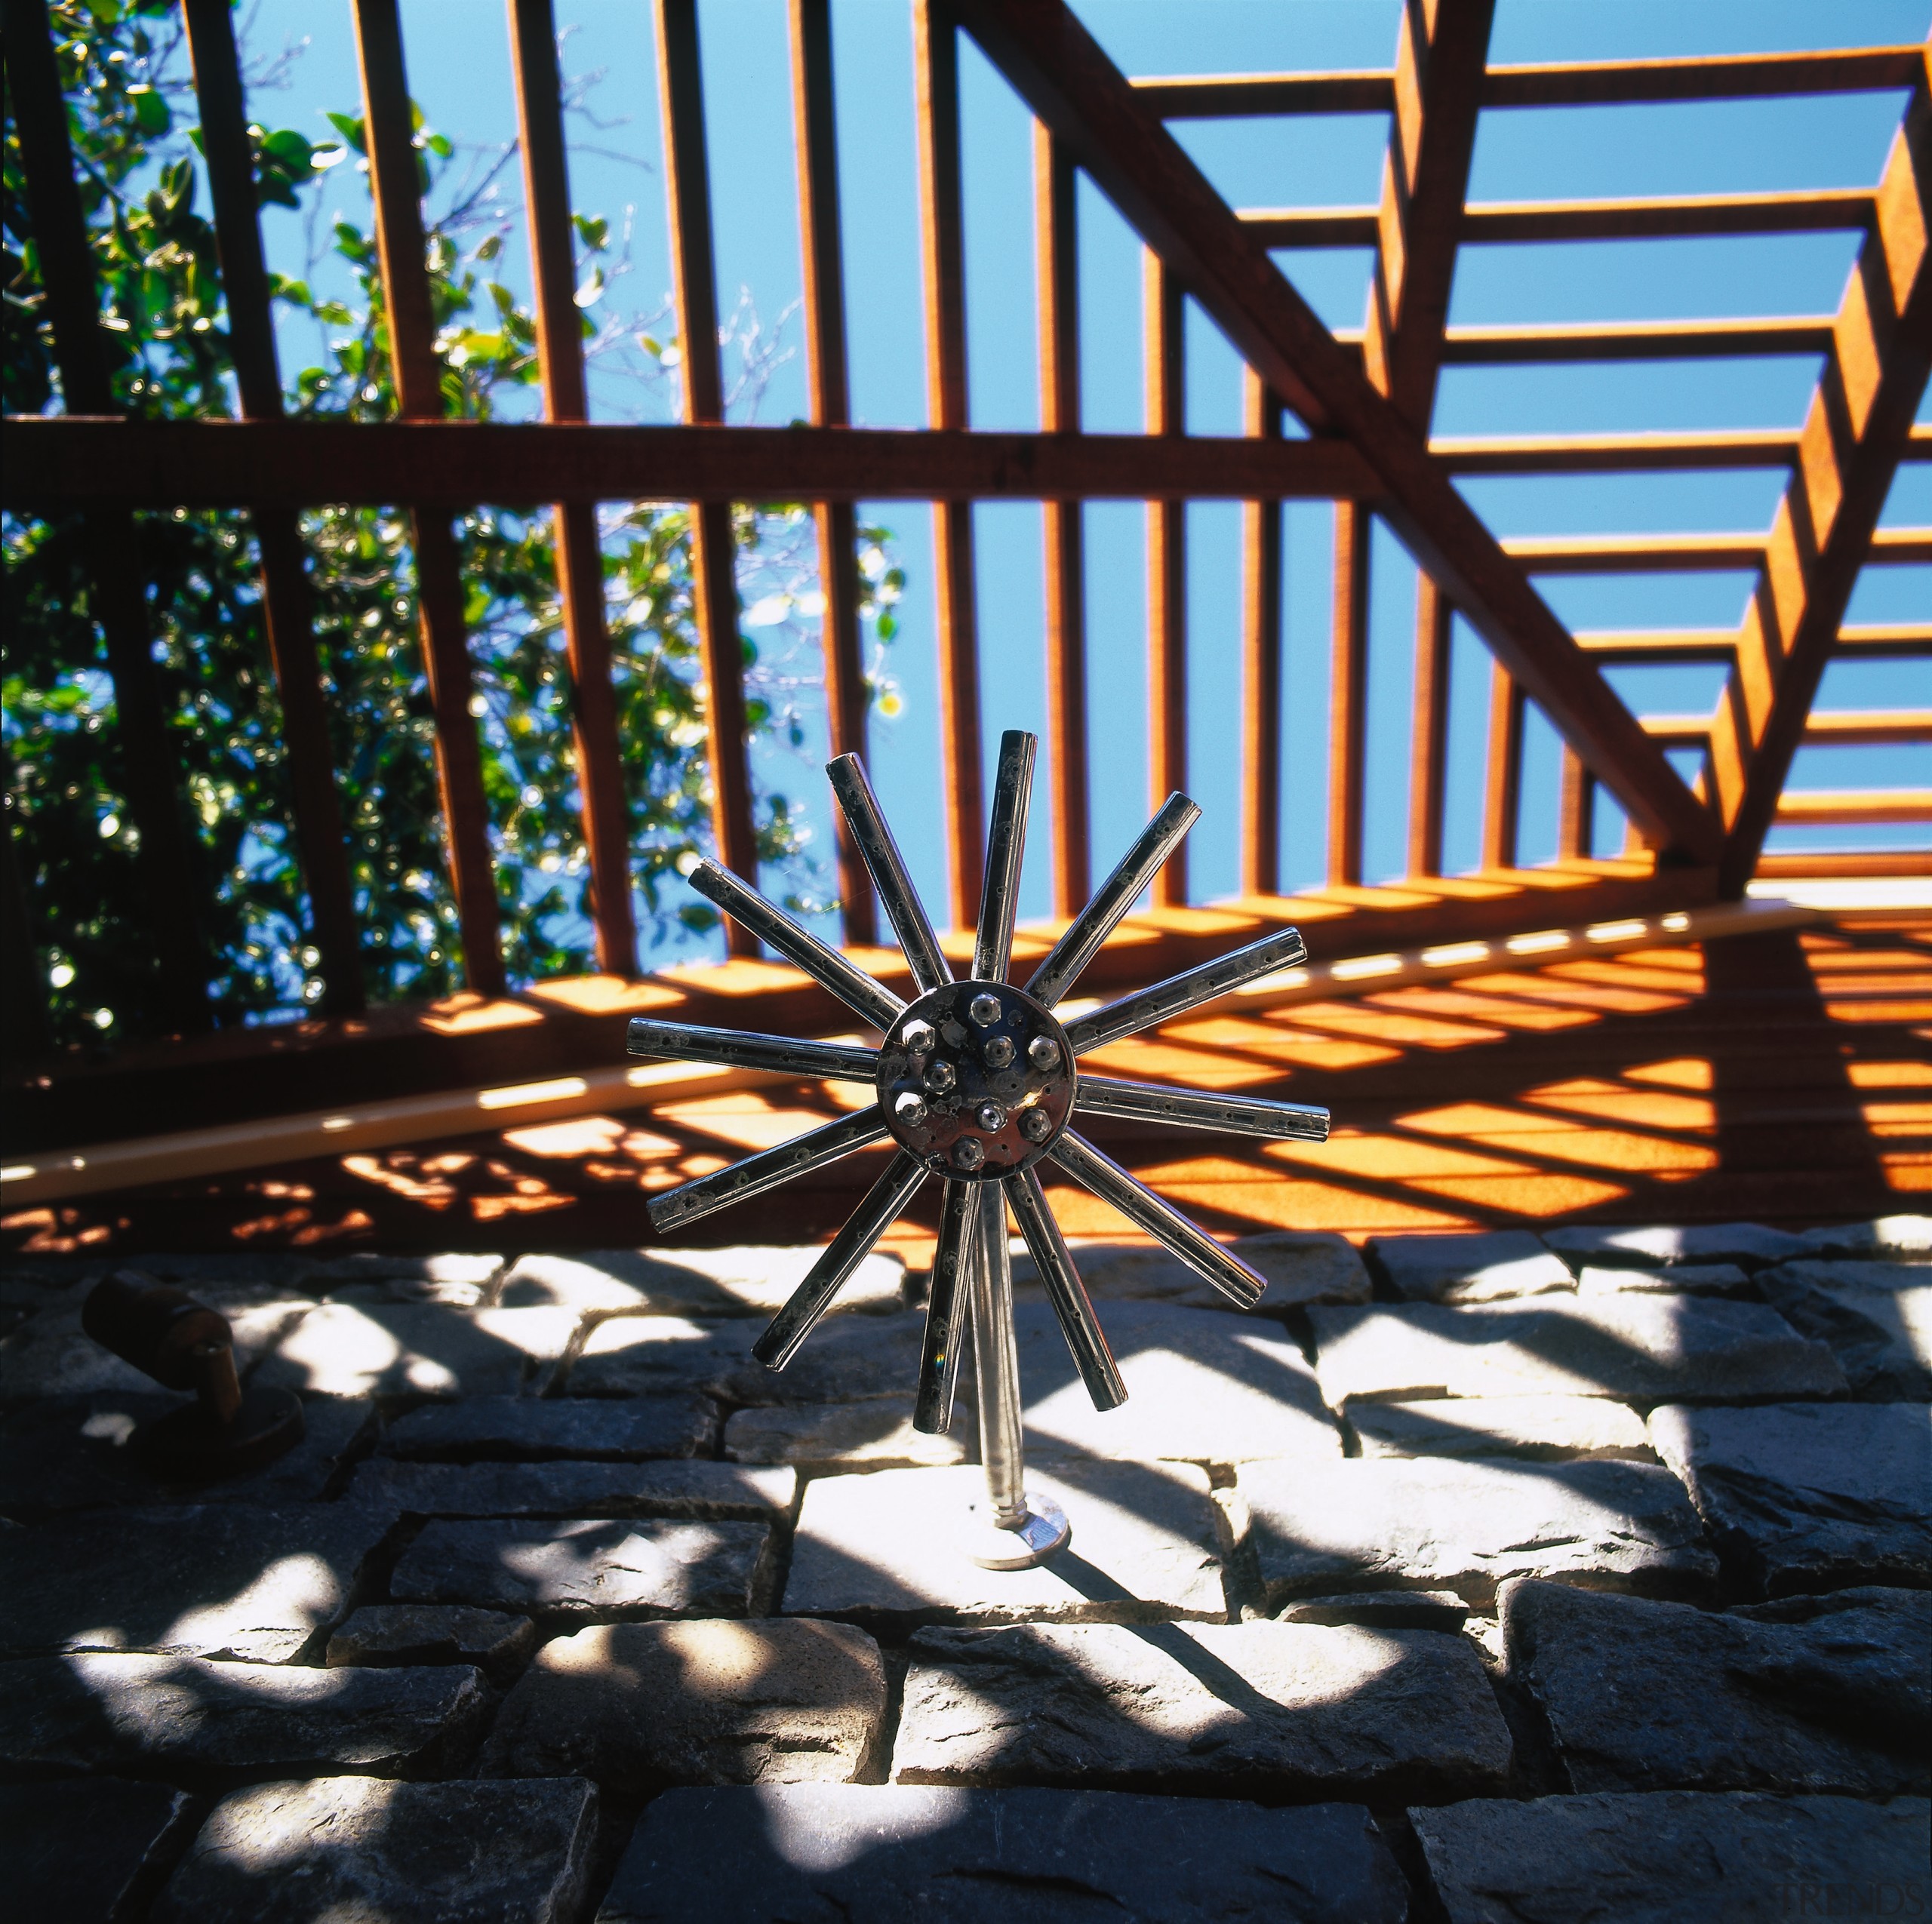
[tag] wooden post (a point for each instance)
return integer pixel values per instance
(1429, 748)
(1348, 692)
(1261, 664)
(1163, 320)
(1503, 783)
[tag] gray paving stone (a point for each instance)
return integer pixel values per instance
(52, 1355)
(351, 1849)
(1690, 1279)
(1649, 1696)
(1543, 1429)
(1900, 1238)
(1251, 1708)
(1637, 1349)
(461, 1281)
(1809, 1496)
(863, 1854)
(428, 1349)
(1674, 1857)
(755, 1279)
(1300, 1266)
(179, 1716)
(537, 1430)
(81, 1852)
(73, 1453)
(776, 1700)
(875, 1434)
(395, 1636)
(886, 1547)
(676, 1486)
(1381, 1609)
(587, 1568)
(1428, 1524)
(1469, 1269)
(1748, 1244)
(209, 1580)
(848, 1358)
(1877, 1316)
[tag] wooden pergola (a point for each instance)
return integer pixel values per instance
(1365, 400)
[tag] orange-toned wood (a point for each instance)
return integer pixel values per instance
(1846, 727)
(815, 141)
(1637, 340)
(1348, 692)
(687, 188)
(1881, 640)
(1057, 277)
(580, 550)
(935, 78)
(1164, 345)
(1576, 809)
(1261, 663)
(1502, 788)
(1780, 865)
(1608, 454)
(1430, 736)
(1856, 807)
(418, 376)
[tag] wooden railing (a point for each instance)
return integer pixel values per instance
(1366, 400)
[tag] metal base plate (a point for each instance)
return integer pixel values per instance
(1044, 1532)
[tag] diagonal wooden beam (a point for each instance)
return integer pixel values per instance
(1856, 432)
(1424, 175)
(1060, 71)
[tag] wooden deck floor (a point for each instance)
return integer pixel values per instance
(1779, 1077)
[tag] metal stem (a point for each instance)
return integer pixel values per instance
(1006, 845)
(1198, 1108)
(946, 1309)
(996, 1368)
(767, 1170)
(1179, 994)
(739, 1049)
(930, 969)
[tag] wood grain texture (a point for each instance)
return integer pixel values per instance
(1164, 348)
(1262, 643)
(1348, 692)
(1429, 744)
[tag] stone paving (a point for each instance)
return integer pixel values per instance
(1572, 1576)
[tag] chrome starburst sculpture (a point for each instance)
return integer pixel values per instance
(977, 1083)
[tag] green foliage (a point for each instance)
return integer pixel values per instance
(161, 312)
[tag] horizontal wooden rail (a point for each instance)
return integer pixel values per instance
(1850, 807)
(1868, 727)
(1663, 216)
(1883, 640)
(55, 461)
(1677, 731)
(1614, 646)
(1637, 340)
(1636, 554)
(1796, 864)
(1603, 454)
(1567, 83)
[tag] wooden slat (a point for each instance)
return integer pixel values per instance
(1057, 67)
(1576, 810)
(1648, 644)
(815, 139)
(714, 588)
(1348, 692)
(150, 773)
(400, 245)
(580, 548)
(1503, 785)
(1056, 275)
(1637, 340)
(1261, 664)
(942, 239)
(1425, 176)
(1619, 453)
(285, 603)
(1885, 640)
(1430, 739)
(1592, 83)
(58, 462)
(1868, 727)
(1663, 216)
(1163, 345)
(1637, 554)
(1852, 807)
(1855, 431)
(1678, 731)
(1778, 866)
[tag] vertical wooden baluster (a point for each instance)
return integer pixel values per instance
(1164, 345)
(291, 637)
(1261, 663)
(24, 1029)
(936, 70)
(1429, 743)
(151, 775)
(1057, 277)
(400, 243)
(815, 133)
(1577, 825)
(1504, 784)
(579, 550)
(1348, 692)
(714, 582)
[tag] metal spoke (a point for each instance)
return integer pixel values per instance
(996, 1367)
(1198, 1108)
(1065, 1292)
(1006, 844)
(1179, 994)
(930, 969)
(826, 967)
(767, 1170)
(843, 1254)
(738, 1049)
(946, 1309)
(1140, 1205)
(1116, 895)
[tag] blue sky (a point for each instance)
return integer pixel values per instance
(459, 70)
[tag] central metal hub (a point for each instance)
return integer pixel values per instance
(977, 1080)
